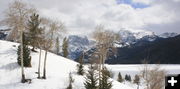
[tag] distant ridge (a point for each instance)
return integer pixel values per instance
(161, 50)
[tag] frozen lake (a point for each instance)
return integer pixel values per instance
(136, 68)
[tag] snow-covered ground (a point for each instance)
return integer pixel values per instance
(136, 68)
(170, 69)
(58, 69)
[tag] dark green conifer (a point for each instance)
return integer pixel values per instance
(129, 78)
(26, 53)
(34, 30)
(80, 66)
(105, 84)
(126, 77)
(91, 79)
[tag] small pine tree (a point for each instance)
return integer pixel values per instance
(120, 79)
(80, 66)
(105, 84)
(80, 69)
(71, 80)
(129, 78)
(91, 79)
(26, 53)
(65, 47)
(126, 77)
(136, 79)
(34, 30)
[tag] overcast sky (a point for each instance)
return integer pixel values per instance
(82, 16)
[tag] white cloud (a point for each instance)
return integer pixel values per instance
(81, 16)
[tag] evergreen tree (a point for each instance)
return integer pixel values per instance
(80, 66)
(65, 47)
(34, 30)
(91, 79)
(105, 84)
(57, 45)
(126, 77)
(26, 53)
(71, 80)
(129, 78)
(120, 79)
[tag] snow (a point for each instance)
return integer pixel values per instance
(133, 69)
(138, 34)
(58, 69)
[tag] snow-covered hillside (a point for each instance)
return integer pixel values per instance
(58, 69)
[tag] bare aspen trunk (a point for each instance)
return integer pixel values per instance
(39, 69)
(44, 71)
(102, 61)
(100, 67)
(22, 60)
(99, 75)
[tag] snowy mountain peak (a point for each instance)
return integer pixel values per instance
(130, 37)
(167, 35)
(74, 39)
(141, 34)
(78, 44)
(137, 34)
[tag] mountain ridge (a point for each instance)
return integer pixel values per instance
(161, 50)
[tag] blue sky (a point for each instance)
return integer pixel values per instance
(133, 4)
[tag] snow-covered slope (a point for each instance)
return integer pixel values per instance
(58, 69)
